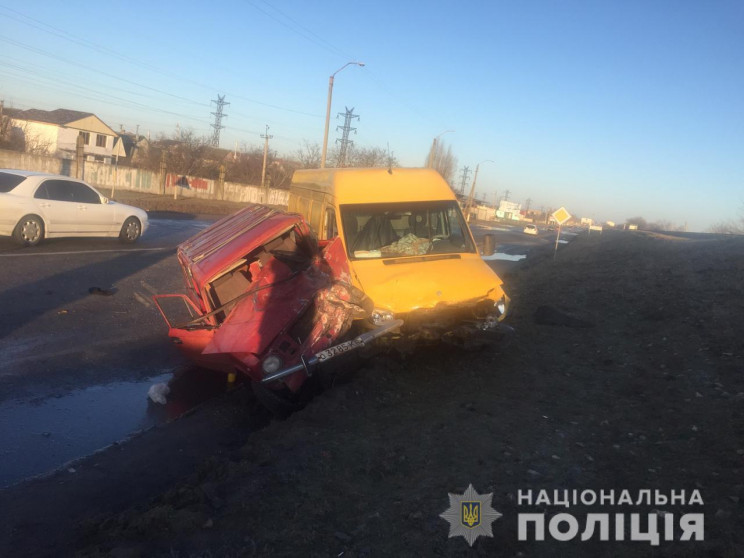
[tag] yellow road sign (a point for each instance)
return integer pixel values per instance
(561, 215)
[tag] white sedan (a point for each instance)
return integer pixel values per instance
(530, 229)
(35, 206)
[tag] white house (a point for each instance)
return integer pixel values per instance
(55, 132)
(509, 210)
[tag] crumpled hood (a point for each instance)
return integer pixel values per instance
(426, 281)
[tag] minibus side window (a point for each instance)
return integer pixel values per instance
(302, 207)
(329, 228)
(315, 214)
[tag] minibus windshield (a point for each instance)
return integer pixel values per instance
(393, 230)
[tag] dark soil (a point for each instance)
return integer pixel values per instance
(165, 207)
(647, 394)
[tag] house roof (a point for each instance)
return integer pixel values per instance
(58, 116)
(86, 121)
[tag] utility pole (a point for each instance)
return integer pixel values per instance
(218, 116)
(345, 141)
(328, 110)
(80, 156)
(163, 168)
(469, 204)
(267, 137)
(464, 178)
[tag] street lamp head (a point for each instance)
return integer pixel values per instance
(352, 63)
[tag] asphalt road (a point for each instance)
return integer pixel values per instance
(55, 334)
(72, 359)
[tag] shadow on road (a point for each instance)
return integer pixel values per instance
(24, 303)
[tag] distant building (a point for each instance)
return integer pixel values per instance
(485, 213)
(55, 132)
(509, 210)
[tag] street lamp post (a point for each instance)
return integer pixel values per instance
(433, 150)
(328, 111)
(469, 205)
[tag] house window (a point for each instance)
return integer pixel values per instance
(100, 140)
(86, 137)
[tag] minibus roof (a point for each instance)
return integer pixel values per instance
(378, 185)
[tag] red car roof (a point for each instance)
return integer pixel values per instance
(232, 238)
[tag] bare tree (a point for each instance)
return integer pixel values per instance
(441, 159)
(370, 157)
(20, 138)
(640, 222)
(309, 155)
(732, 226)
(5, 128)
(246, 166)
(662, 225)
(189, 154)
(11, 137)
(279, 174)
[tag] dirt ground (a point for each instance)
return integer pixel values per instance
(166, 206)
(648, 395)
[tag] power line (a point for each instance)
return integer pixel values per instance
(96, 71)
(271, 12)
(301, 30)
(93, 94)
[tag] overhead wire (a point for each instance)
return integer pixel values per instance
(270, 11)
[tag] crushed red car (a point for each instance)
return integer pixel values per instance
(264, 299)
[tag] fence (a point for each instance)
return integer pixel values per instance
(105, 176)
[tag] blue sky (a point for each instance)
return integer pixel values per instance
(611, 108)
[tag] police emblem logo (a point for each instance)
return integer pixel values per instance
(470, 515)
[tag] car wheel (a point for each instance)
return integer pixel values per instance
(29, 231)
(130, 230)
